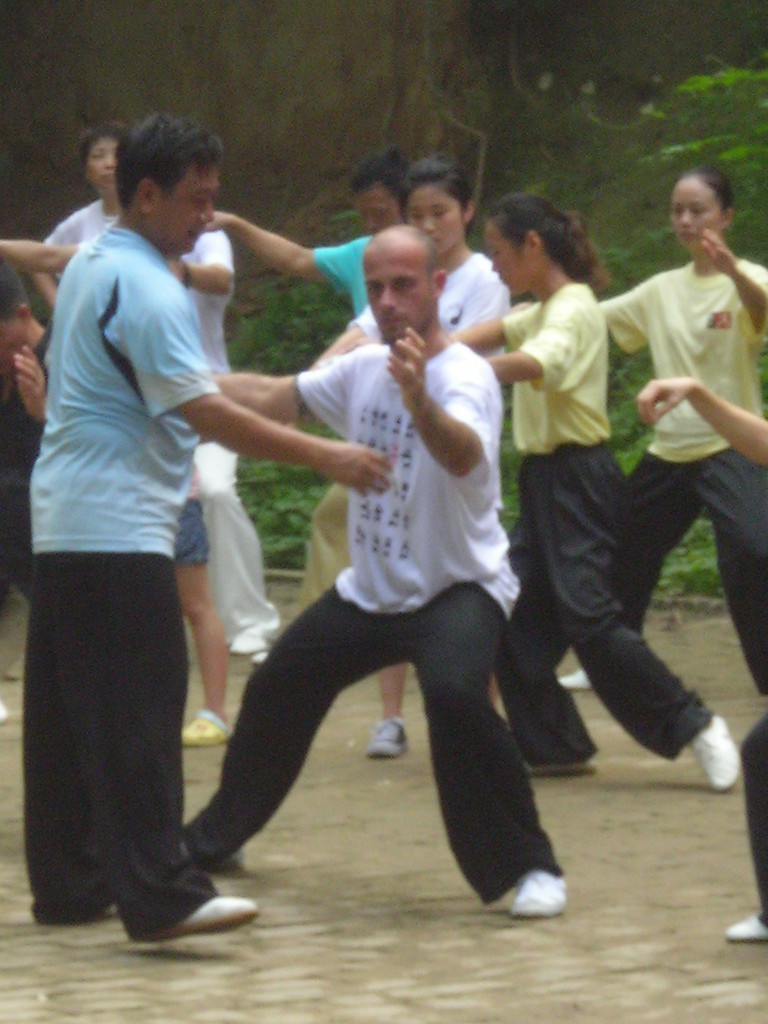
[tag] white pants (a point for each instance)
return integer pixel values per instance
(235, 566)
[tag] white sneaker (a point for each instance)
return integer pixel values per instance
(751, 929)
(3, 713)
(539, 894)
(219, 914)
(388, 739)
(578, 680)
(249, 643)
(716, 752)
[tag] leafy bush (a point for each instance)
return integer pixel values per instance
(280, 500)
(287, 326)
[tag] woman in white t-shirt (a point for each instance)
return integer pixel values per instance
(437, 199)
(98, 153)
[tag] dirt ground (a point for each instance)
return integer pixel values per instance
(365, 917)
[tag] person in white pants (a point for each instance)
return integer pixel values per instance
(235, 567)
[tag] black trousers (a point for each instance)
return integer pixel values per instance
(754, 757)
(485, 795)
(15, 533)
(664, 499)
(105, 687)
(563, 549)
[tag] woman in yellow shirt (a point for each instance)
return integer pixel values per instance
(705, 320)
(571, 500)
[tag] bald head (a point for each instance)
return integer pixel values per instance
(403, 238)
(403, 282)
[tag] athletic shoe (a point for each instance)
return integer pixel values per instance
(578, 680)
(388, 739)
(716, 752)
(205, 730)
(539, 894)
(219, 914)
(3, 713)
(248, 643)
(751, 929)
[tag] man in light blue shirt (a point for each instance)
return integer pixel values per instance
(129, 393)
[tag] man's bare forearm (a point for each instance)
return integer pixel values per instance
(449, 441)
(216, 418)
(274, 397)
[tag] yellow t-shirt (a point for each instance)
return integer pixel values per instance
(695, 327)
(567, 404)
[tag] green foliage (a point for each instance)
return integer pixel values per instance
(280, 500)
(724, 80)
(720, 119)
(288, 326)
(692, 569)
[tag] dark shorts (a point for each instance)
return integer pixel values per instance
(192, 538)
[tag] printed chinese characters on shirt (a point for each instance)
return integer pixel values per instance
(383, 520)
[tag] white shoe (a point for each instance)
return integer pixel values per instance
(539, 894)
(388, 739)
(218, 914)
(716, 752)
(259, 657)
(578, 680)
(250, 643)
(751, 929)
(3, 713)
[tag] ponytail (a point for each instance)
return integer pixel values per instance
(564, 234)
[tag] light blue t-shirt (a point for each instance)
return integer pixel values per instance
(342, 266)
(116, 455)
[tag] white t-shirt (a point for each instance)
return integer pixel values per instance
(213, 247)
(430, 529)
(473, 293)
(82, 225)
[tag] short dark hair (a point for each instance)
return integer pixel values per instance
(163, 148)
(104, 130)
(443, 172)
(12, 294)
(387, 167)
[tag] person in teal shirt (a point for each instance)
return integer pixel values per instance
(376, 185)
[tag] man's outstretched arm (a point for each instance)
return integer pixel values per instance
(36, 257)
(217, 418)
(277, 398)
